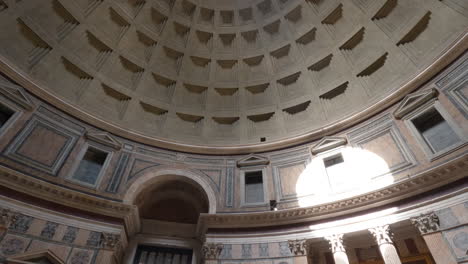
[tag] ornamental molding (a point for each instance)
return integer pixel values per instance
(211, 250)
(16, 94)
(382, 234)
(426, 223)
(252, 160)
(105, 139)
(50, 192)
(414, 100)
(336, 243)
(34, 255)
(328, 143)
(413, 185)
(299, 247)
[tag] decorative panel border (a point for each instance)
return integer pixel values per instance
(377, 128)
(277, 176)
(36, 122)
(119, 171)
(230, 187)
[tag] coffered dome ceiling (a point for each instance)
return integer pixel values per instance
(225, 74)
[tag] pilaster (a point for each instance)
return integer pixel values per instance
(112, 251)
(6, 218)
(428, 226)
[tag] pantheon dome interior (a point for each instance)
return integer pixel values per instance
(234, 131)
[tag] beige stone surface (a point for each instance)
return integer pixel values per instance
(61, 251)
(439, 248)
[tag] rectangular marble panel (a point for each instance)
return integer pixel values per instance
(42, 145)
(286, 176)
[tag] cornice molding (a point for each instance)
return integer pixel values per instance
(445, 58)
(424, 181)
(53, 193)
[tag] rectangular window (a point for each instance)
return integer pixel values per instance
(90, 166)
(435, 130)
(333, 160)
(337, 173)
(5, 114)
(254, 187)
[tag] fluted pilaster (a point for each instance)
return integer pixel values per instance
(429, 227)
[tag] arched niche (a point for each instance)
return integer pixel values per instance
(154, 177)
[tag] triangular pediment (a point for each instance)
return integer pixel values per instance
(15, 94)
(252, 160)
(104, 138)
(328, 143)
(46, 256)
(413, 101)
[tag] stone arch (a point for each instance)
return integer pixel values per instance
(155, 175)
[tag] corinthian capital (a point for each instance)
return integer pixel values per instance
(211, 250)
(6, 217)
(382, 234)
(336, 243)
(426, 223)
(298, 247)
(110, 241)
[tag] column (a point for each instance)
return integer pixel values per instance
(211, 252)
(337, 248)
(428, 226)
(299, 248)
(387, 249)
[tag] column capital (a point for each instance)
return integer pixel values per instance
(211, 250)
(110, 241)
(299, 247)
(426, 223)
(7, 217)
(382, 234)
(336, 243)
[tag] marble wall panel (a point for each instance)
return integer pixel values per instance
(43, 145)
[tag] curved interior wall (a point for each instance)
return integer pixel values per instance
(194, 75)
(386, 161)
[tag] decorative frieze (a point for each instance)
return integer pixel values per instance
(298, 247)
(21, 223)
(382, 234)
(426, 223)
(49, 230)
(211, 250)
(336, 243)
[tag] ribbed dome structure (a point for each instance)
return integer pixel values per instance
(222, 73)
